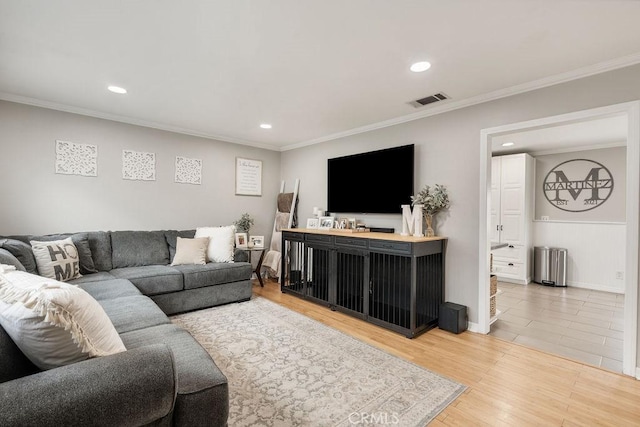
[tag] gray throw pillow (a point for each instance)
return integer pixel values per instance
(87, 265)
(8, 259)
(22, 251)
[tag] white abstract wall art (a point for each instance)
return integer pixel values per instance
(188, 171)
(138, 166)
(76, 159)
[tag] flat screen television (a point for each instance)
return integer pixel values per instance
(373, 182)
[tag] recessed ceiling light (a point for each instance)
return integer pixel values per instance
(265, 126)
(507, 144)
(419, 67)
(117, 89)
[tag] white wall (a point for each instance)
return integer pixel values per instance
(447, 152)
(596, 251)
(35, 200)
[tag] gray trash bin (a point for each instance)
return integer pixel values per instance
(550, 266)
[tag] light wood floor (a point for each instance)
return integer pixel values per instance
(576, 323)
(508, 384)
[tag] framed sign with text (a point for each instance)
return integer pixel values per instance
(248, 177)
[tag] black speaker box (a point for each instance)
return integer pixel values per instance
(382, 229)
(453, 317)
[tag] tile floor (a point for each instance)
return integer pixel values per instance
(576, 323)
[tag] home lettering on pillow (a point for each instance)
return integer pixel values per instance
(57, 259)
(59, 253)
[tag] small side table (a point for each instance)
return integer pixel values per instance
(259, 265)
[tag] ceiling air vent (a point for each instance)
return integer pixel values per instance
(430, 99)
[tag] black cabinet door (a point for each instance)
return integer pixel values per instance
(352, 279)
(390, 289)
(292, 270)
(319, 274)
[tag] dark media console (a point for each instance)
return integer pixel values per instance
(390, 280)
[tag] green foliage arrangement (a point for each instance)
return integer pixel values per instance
(243, 225)
(434, 199)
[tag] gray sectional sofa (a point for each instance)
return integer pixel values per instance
(165, 377)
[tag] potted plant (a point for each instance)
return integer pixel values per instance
(243, 225)
(433, 200)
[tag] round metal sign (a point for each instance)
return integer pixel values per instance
(578, 185)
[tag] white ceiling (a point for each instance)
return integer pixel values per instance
(313, 69)
(590, 134)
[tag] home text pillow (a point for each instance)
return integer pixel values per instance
(81, 241)
(221, 242)
(57, 259)
(54, 323)
(191, 251)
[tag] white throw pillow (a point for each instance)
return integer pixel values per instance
(54, 323)
(191, 251)
(57, 260)
(221, 242)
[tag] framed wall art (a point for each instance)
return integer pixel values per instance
(248, 177)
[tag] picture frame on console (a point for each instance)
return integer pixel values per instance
(312, 223)
(326, 223)
(258, 241)
(241, 239)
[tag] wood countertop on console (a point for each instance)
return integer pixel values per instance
(366, 235)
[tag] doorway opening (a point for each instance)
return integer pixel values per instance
(630, 113)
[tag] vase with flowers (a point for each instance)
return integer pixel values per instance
(433, 200)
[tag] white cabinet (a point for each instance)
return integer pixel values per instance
(511, 216)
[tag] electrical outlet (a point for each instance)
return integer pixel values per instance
(619, 275)
(544, 218)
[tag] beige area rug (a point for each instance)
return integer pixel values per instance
(285, 369)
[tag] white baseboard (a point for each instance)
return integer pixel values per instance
(473, 327)
(637, 373)
(510, 280)
(596, 287)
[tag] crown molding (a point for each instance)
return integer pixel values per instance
(129, 120)
(447, 106)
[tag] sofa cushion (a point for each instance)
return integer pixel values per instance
(139, 248)
(57, 259)
(94, 277)
(152, 279)
(203, 395)
(211, 296)
(22, 251)
(109, 289)
(81, 241)
(214, 273)
(171, 236)
(134, 312)
(54, 323)
(7, 258)
(191, 251)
